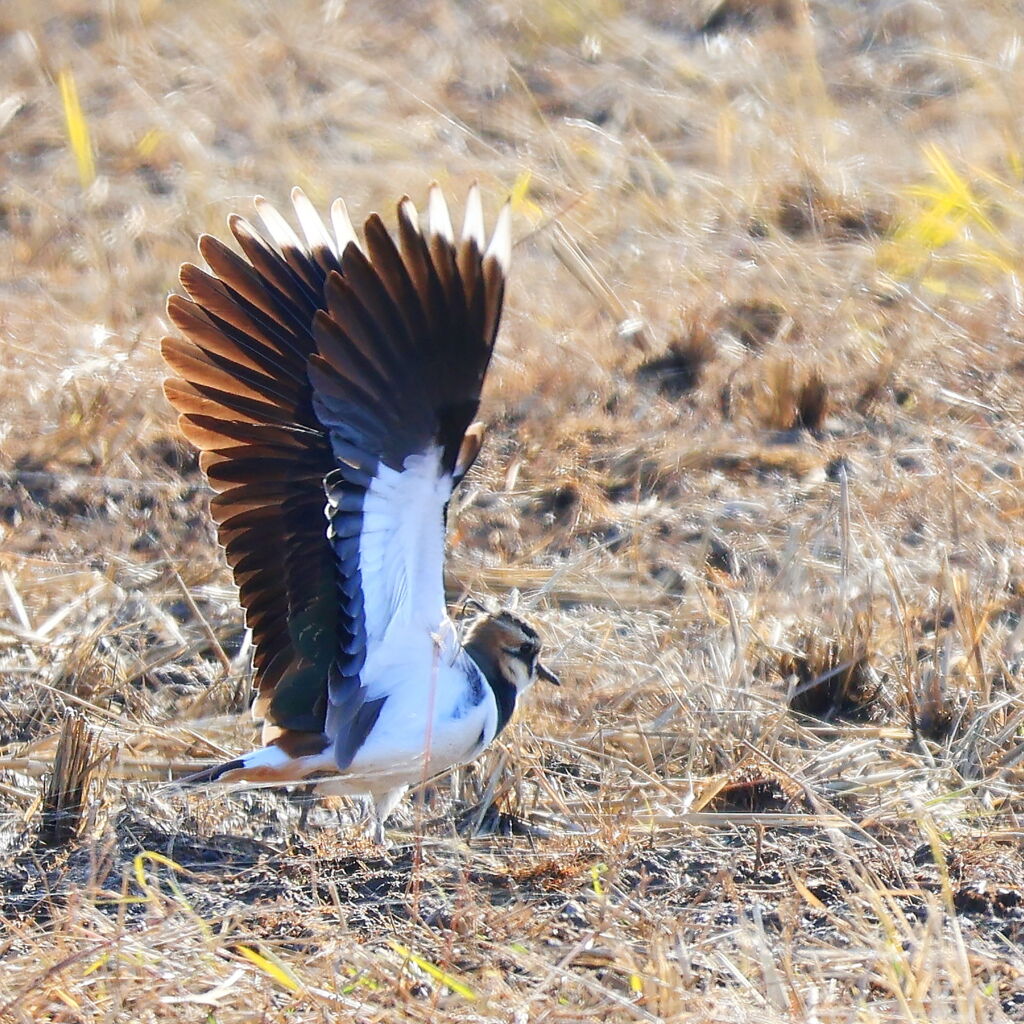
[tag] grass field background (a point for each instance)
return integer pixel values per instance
(754, 468)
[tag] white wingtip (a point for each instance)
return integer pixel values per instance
(473, 224)
(408, 213)
(439, 218)
(309, 220)
(501, 241)
(279, 229)
(342, 223)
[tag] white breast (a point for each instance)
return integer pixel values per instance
(443, 706)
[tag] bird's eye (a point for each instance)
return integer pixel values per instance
(527, 650)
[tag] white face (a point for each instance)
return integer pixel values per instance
(520, 669)
(519, 655)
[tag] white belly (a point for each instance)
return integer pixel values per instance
(425, 726)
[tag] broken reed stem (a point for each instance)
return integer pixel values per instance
(67, 788)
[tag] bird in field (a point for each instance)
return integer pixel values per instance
(331, 385)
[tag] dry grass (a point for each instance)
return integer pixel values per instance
(755, 466)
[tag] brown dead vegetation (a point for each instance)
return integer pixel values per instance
(754, 465)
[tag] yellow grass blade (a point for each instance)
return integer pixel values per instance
(945, 172)
(149, 142)
(272, 968)
(456, 986)
(99, 962)
(158, 858)
(68, 1000)
(950, 226)
(520, 200)
(958, 189)
(78, 130)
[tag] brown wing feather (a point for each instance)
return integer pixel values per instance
(245, 401)
(300, 369)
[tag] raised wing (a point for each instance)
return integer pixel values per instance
(324, 366)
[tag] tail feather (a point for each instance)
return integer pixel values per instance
(271, 763)
(212, 774)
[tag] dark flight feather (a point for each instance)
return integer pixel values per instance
(303, 367)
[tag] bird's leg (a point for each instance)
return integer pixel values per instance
(304, 797)
(383, 805)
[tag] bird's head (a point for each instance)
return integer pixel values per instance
(511, 645)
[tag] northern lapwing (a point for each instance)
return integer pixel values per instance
(331, 386)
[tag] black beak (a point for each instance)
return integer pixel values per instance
(547, 675)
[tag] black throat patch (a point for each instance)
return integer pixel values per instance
(505, 693)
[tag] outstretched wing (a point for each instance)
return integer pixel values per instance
(320, 367)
